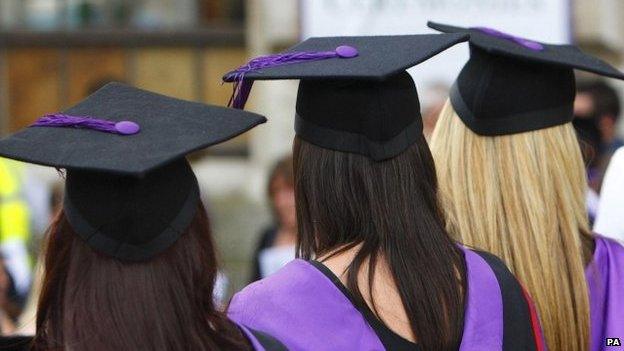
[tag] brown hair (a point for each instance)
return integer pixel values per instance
(91, 301)
(391, 209)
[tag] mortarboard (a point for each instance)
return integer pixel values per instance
(130, 192)
(354, 93)
(512, 84)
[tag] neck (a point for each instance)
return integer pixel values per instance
(285, 236)
(382, 296)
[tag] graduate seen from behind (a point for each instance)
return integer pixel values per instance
(376, 268)
(510, 167)
(129, 259)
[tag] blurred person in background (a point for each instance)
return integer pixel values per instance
(512, 173)
(433, 96)
(610, 217)
(596, 112)
(26, 322)
(276, 246)
(7, 326)
(129, 260)
(15, 232)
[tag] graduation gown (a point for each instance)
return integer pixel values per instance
(259, 340)
(605, 280)
(306, 307)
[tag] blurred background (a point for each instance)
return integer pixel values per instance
(53, 53)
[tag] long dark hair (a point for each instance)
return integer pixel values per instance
(93, 302)
(391, 209)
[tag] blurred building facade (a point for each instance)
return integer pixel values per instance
(53, 53)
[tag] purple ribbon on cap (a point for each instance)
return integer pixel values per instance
(86, 122)
(242, 88)
(529, 44)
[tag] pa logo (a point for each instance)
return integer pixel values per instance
(613, 342)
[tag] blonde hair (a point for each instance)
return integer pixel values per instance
(522, 197)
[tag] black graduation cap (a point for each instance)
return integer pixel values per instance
(354, 94)
(512, 84)
(130, 192)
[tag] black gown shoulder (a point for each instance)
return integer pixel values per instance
(268, 342)
(15, 343)
(24, 343)
(521, 329)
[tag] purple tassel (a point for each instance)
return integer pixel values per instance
(86, 122)
(529, 44)
(242, 87)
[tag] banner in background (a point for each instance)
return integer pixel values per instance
(543, 20)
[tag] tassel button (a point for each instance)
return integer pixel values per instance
(346, 51)
(127, 127)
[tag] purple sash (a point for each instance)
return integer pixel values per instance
(483, 321)
(605, 280)
(302, 308)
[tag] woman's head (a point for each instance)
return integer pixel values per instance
(92, 301)
(345, 198)
(390, 207)
(130, 195)
(281, 193)
(522, 197)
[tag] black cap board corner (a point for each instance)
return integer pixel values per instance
(354, 92)
(129, 193)
(512, 84)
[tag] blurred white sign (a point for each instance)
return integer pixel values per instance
(543, 20)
